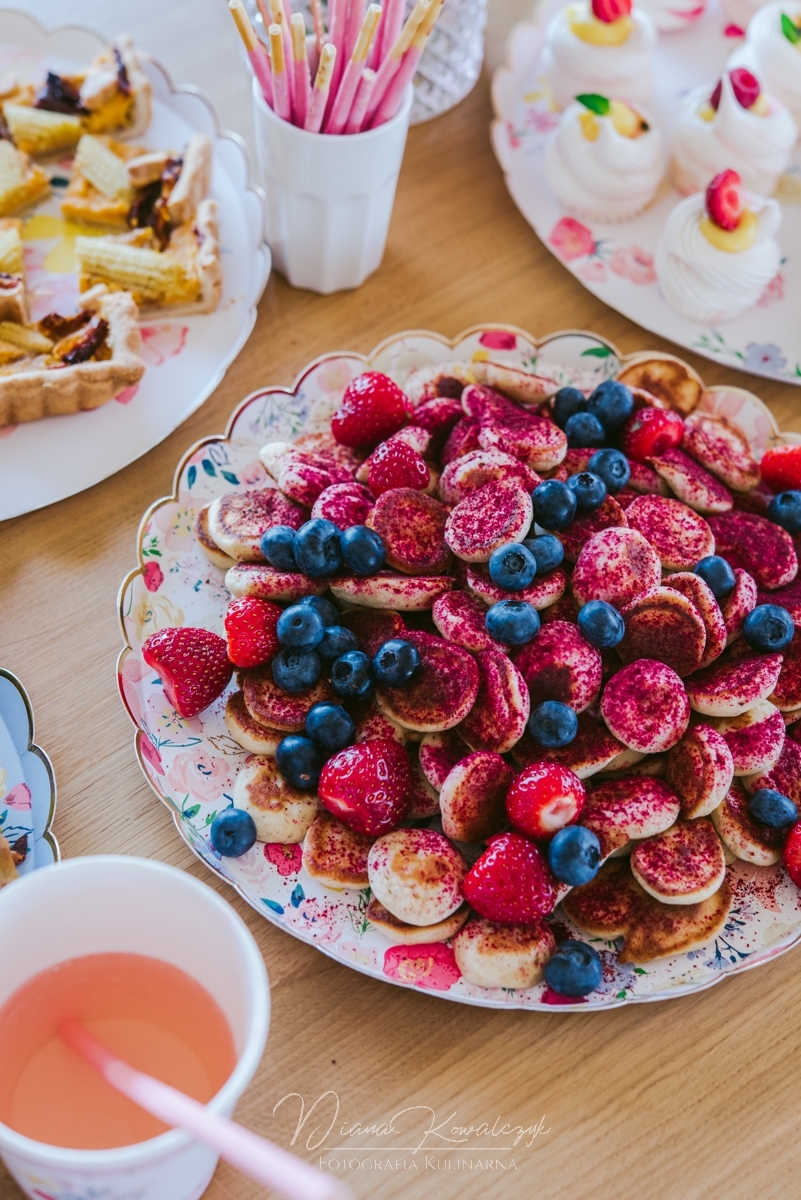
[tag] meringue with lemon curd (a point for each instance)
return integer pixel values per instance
(718, 252)
(735, 125)
(772, 50)
(605, 161)
(605, 47)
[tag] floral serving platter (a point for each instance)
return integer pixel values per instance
(191, 764)
(45, 461)
(615, 261)
(27, 783)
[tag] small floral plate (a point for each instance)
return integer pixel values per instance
(27, 783)
(615, 261)
(191, 764)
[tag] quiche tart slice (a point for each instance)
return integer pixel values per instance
(13, 296)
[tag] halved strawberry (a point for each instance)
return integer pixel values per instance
(781, 468)
(251, 628)
(649, 432)
(611, 10)
(368, 786)
(394, 464)
(724, 200)
(193, 666)
(543, 799)
(372, 408)
(792, 854)
(510, 882)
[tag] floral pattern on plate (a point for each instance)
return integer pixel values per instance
(27, 783)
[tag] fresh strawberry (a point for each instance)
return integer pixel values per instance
(250, 625)
(396, 465)
(611, 10)
(193, 666)
(510, 882)
(792, 854)
(781, 468)
(724, 200)
(368, 786)
(543, 799)
(372, 408)
(649, 432)
(744, 85)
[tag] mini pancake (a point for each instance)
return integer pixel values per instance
(700, 769)
(344, 504)
(787, 597)
(207, 543)
(304, 477)
(502, 707)
(638, 806)
(281, 813)
(460, 618)
(443, 379)
(646, 707)
(560, 664)
(615, 565)
(387, 590)
(268, 704)
(248, 733)
(691, 483)
(592, 749)
(442, 692)
(423, 798)
(520, 385)
(784, 777)
(739, 603)
(495, 514)
(728, 689)
(625, 761)
(372, 627)
(758, 546)
(536, 441)
(722, 449)
(645, 481)
(755, 738)
(237, 520)
(683, 865)
(461, 440)
(417, 875)
(702, 598)
(438, 416)
(575, 461)
(509, 956)
(439, 754)
(787, 693)
(748, 839)
(608, 516)
(466, 475)
(335, 855)
(372, 725)
(328, 448)
(541, 593)
(415, 935)
(680, 537)
(563, 609)
(669, 379)
(472, 798)
(663, 624)
(413, 529)
(265, 583)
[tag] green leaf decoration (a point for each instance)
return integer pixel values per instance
(596, 104)
(790, 30)
(596, 352)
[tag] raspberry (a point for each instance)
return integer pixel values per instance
(193, 665)
(610, 10)
(510, 882)
(372, 408)
(396, 465)
(368, 786)
(251, 628)
(724, 200)
(781, 468)
(649, 432)
(543, 799)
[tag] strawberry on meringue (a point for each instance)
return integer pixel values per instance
(772, 50)
(605, 47)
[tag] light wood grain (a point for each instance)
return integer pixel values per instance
(696, 1098)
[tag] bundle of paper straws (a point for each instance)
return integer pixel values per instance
(366, 60)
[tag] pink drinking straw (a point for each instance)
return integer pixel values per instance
(340, 112)
(337, 29)
(391, 64)
(300, 65)
(391, 25)
(268, 1164)
(405, 73)
(355, 18)
(259, 58)
(363, 93)
(282, 103)
(321, 89)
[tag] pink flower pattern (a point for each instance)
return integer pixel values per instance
(160, 342)
(151, 754)
(153, 576)
(593, 272)
(633, 263)
(428, 965)
(570, 239)
(199, 775)
(286, 859)
(773, 292)
(498, 339)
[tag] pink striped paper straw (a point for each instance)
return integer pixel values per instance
(338, 118)
(300, 65)
(355, 18)
(283, 105)
(321, 89)
(337, 29)
(391, 25)
(405, 73)
(391, 64)
(259, 58)
(281, 17)
(363, 93)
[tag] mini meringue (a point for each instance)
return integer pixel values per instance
(772, 56)
(574, 65)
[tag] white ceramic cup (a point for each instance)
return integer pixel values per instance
(329, 198)
(133, 905)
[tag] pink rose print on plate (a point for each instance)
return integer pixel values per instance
(177, 523)
(335, 377)
(593, 272)
(633, 263)
(19, 798)
(429, 966)
(773, 292)
(7, 430)
(570, 239)
(498, 339)
(199, 775)
(287, 860)
(160, 342)
(153, 576)
(150, 754)
(549, 997)
(127, 394)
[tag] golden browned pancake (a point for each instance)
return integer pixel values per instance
(334, 854)
(411, 935)
(667, 378)
(250, 734)
(268, 704)
(207, 543)
(281, 812)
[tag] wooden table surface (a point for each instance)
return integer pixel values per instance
(695, 1098)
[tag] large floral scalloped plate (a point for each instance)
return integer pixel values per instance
(27, 783)
(191, 764)
(615, 261)
(45, 461)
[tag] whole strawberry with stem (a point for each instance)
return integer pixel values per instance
(372, 408)
(193, 666)
(368, 786)
(250, 625)
(394, 464)
(510, 882)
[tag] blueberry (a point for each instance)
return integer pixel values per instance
(601, 624)
(716, 574)
(299, 761)
(548, 551)
(583, 429)
(278, 547)
(351, 675)
(324, 607)
(512, 567)
(363, 550)
(768, 628)
(574, 969)
(300, 627)
(396, 662)
(317, 551)
(566, 402)
(612, 403)
(337, 640)
(589, 490)
(330, 726)
(612, 466)
(512, 622)
(772, 808)
(233, 832)
(785, 510)
(552, 724)
(296, 670)
(574, 855)
(554, 504)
